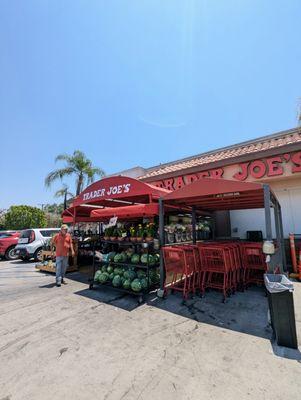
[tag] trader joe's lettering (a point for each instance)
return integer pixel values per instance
(112, 190)
(252, 170)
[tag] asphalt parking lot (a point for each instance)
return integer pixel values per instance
(73, 343)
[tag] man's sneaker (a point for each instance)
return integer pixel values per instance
(58, 284)
(64, 282)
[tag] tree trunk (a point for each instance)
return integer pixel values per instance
(79, 184)
(65, 200)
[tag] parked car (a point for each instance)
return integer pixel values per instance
(31, 242)
(8, 242)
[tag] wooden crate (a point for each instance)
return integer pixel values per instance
(50, 268)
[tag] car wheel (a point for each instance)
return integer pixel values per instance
(38, 255)
(10, 254)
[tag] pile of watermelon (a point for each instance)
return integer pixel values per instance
(130, 257)
(126, 278)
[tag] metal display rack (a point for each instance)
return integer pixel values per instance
(147, 267)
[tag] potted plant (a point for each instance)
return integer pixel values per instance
(173, 219)
(183, 233)
(170, 233)
(122, 233)
(140, 233)
(188, 232)
(133, 236)
(114, 234)
(107, 233)
(150, 232)
(206, 229)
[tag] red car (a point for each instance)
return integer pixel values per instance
(8, 242)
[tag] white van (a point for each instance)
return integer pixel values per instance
(31, 242)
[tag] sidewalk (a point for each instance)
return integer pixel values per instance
(72, 343)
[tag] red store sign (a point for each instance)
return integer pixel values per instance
(251, 170)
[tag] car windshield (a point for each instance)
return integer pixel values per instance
(6, 234)
(49, 233)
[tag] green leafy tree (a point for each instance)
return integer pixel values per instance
(2, 218)
(53, 220)
(23, 217)
(77, 165)
(54, 208)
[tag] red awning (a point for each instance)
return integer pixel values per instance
(135, 211)
(218, 194)
(118, 191)
(78, 214)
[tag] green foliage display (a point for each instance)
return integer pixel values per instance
(24, 217)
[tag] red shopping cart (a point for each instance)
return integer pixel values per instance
(254, 263)
(179, 263)
(221, 265)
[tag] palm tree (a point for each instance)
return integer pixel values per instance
(76, 164)
(64, 192)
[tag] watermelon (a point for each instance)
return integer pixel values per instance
(129, 274)
(132, 274)
(96, 276)
(116, 281)
(122, 278)
(157, 258)
(127, 284)
(110, 269)
(143, 282)
(104, 268)
(103, 277)
(135, 259)
(147, 257)
(154, 276)
(123, 257)
(111, 276)
(141, 274)
(118, 271)
(136, 285)
(118, 258)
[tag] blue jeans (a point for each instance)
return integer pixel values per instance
(61, 265)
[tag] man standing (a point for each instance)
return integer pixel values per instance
(63, 246)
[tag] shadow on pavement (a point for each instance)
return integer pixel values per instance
(49, 286)
(23, 262)
(244, 312)
(111, 297)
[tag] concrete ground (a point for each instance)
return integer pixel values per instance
(72, 343)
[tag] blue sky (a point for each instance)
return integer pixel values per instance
(134, 82)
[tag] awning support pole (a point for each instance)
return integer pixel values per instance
(193, 225)
(267, 211)
(282, 238)
(162, 242)
(278, 234)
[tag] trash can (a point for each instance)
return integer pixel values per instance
(281, 303)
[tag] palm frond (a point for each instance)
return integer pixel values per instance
(92, 172)
(57, 174)
(63, 157)
(64, 190)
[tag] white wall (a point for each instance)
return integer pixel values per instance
(288, 193)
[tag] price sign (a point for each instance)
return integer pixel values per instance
(112, 222)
